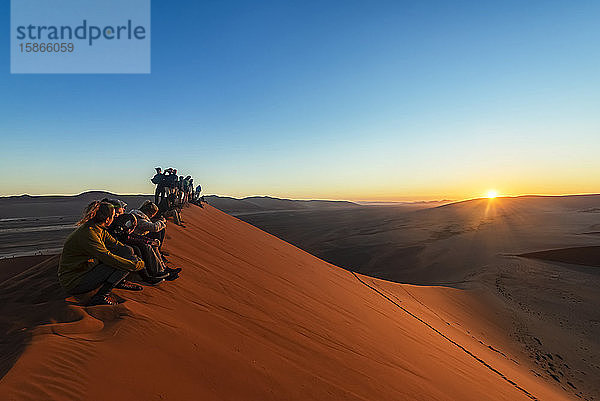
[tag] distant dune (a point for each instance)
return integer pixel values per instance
(415, 204)
(474, 245)
(32, 225)
(39, 224)
(255, 204)
(254, 318)
(25, 206)
(444, 244)
(582, 255)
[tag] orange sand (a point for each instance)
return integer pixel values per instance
(254, 318)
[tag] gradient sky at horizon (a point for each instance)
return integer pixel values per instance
(384, 100)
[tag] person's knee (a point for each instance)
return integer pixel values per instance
(126, 252)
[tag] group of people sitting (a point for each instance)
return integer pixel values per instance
(181, 189)
(110, 244)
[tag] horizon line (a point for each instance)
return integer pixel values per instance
(416, 200)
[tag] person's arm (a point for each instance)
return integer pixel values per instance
(141, 240)
(110, 242)
(96, 248)
(152, 226)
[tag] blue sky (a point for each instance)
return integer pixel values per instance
(384, 100)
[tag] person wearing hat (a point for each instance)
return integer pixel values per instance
(159, 180)
(122, 229)
(153, 229)
(92, 259)
(170, 181)
(118, 204)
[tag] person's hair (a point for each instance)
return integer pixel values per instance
(157, 169)
(117, 203)
(97, 212)
(149, 208)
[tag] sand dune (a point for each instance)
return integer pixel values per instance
(581, 255)
(27, 206)
(254, 318)
(33, 225)
(441, 245)
(253, 204)
(551, 302)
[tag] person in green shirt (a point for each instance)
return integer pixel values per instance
(92, 258)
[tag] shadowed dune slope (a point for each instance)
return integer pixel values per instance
(583, 255)
(253, 318)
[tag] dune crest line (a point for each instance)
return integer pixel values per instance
(484, 363)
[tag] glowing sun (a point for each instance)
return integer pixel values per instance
(492, 193)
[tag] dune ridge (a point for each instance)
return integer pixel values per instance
(255, 318)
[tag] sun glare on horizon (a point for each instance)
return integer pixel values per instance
(491, 194)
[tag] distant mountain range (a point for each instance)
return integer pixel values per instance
(255, 204)
(73, 205)
(59, 205)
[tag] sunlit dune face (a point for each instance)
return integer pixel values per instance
(492, 193)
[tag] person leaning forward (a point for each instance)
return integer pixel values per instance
(92, 258)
